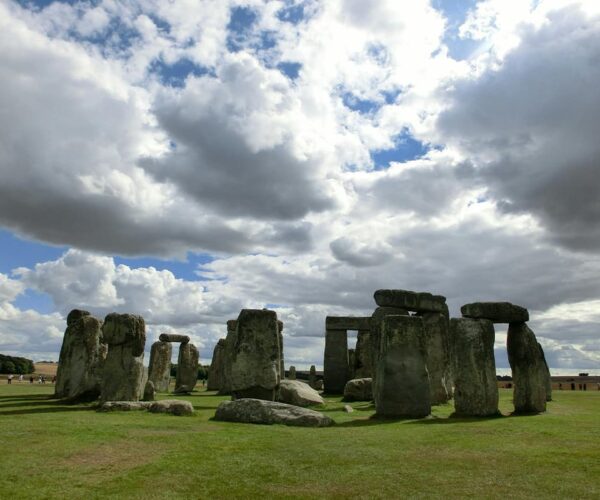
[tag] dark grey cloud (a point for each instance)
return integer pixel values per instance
(532, 128)
(360, 255)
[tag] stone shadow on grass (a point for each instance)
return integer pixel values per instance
(49, 409)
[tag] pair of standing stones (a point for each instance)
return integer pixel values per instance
(248, 363)
(159, 369)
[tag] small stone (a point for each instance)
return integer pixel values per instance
(348, 409)
(496, 312)
(172, 406)
(298, 393)
(124, 406)
(149, 391)
(258, 411)
(358, 389)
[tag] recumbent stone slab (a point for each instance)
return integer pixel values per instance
(258, 411)
(474, 367)
(402, 388)
(358, 389)
(496, 312)
(298, 393)
(413, 301)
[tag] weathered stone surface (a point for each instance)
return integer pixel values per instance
(375, 334)
(335, 364)
(172, 406)
(413, 301)
(362, 355)
(159, 369)
(318, 385)
(255, 365)
(187, 368)
(348, 409)
(216, 374)
(312, 376)
(257, 411)
(81, 358)
(172, 337)
(402, 388)
(474, 367)
(228, 357)
(149, 392)
(359, 389)
(496, 312)
(548, 376)
(528, 369)
(123, 372)
(298, 393)
(124, 405)
(292, 373)
(351, 363)
(347, 323)
(281, 361)
(436, 333)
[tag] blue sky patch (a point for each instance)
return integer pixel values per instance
(175, 74)
(240, 25)
(292, 14)
(17, 252)
(290, 69)
(363, 106)
(407, 148)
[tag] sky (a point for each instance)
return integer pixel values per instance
(184, 160)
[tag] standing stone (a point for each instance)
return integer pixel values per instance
(363, 357)
(351, 363)
(81, 358)
(548, 376)
(159, 370)
(402, 381)
(217, 367)
(435, 338)
(123, 372)
(474, 367)
(335, 364)
(255, 365)
(312, 376)
(187, 368)
(528, 369)
(228, 357)
(281, 362)
(149, 392)
(376, 333)
(292, 373)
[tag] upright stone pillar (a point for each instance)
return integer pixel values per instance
(159, 370)
(292, 373)
(81, 358)
(548, 376)
(217, 367)
(281, 362)
(435, 338)
(312, 376)
(187, 368)
(474, 367)
(335, 364)
(402, 379)
(256, 363)
(528, 369)
(123, 373)
(363, 366)
(351, 363)
(229, 353)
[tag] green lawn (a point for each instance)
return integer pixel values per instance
(50, 450)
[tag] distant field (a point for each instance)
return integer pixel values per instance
(46, 369)
(51, 450)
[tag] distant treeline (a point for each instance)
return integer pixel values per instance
(15, 365)
(202, 371)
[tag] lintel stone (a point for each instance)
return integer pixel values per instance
(347, 323)
(413, 301)
(496, 312)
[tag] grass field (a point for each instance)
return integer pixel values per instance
(52, 450)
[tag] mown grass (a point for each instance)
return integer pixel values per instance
(52, 450)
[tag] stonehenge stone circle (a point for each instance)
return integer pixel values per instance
(217, 367)
(187, 368)
(172, 337)
(123, 372)
(257, 411)
(528, 369)
(81, 357)
(159, 370)
(474, 367)
(358, 389)
(402, 388)
(292, 373)
(412, 301)
(298, 393)
(496, 312)
(436, 332)
(255, 364)
(362, 366)
(335, 363)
